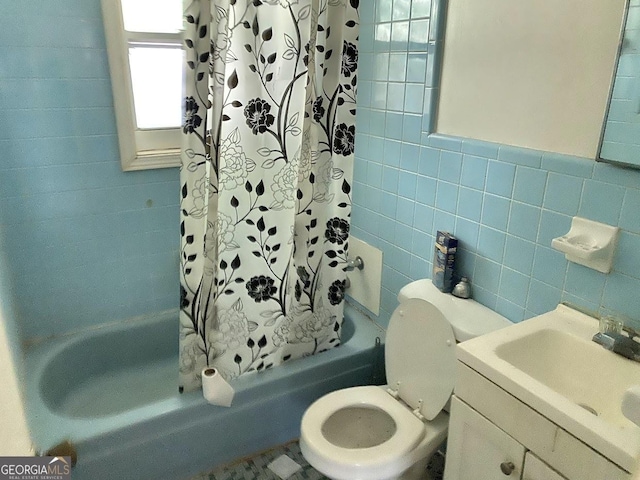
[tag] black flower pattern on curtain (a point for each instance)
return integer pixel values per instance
(267, 161)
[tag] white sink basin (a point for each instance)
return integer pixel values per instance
(580, 370)
(550, 363)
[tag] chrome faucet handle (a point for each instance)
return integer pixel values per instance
(632, 332)
(354, 263)
(620, 344)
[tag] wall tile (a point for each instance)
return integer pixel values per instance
(601, 202)
(467, 233)
(397, 67)
(401, 9)
(399, 36)
(423, 220)
(426, 190)
(420, 8)
(480, 148)
(378, 120)
(411, 126)
(474, 171)
(527, 197)
(542, 297)
(529, 185)
(381, 66)
(584, 282)
(382, 42)
(393, 125)
(410, 157)
(446, 196)
(491, 244)
(66, 204)
(392, 151)
(374, 175)
(514, 286)
(383, 10)
(407, 184)
(509, 310)
(403, 236)
(378, 99)
(395, 96)
(418, 35)
(416, 68)
(496, 212)
(567, 164)
(629, 217)
(413, 104)
(487, 275)
(419, 268)
(520, 156)
(549, 266)
(444, 142)
(563, 193)
(500, 177)
(623, 177)
(518, 254)
(524, 221)
(621, 295)
(443, 221)
(450, 166)
(429, 161)
(626, 258)
(469, 204)
(552, 225)
(420, 243)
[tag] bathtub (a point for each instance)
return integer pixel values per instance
(113, 393)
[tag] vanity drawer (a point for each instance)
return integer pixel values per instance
(561, 450)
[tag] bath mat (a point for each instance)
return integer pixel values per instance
(284, 467)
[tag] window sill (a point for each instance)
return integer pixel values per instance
(152, 159)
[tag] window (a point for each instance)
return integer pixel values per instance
(145, 59)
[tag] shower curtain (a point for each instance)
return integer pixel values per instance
(266, 175)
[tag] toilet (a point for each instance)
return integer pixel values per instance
(391, 432)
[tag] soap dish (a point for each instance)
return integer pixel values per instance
(589, 243)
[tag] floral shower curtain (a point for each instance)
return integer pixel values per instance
(266, 174)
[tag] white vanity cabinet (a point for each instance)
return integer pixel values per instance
(477, 449)
(536, 469)
(495, 436)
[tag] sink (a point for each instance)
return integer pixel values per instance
(582, 371)
(550, 363)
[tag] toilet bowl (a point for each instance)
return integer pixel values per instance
(391, 432)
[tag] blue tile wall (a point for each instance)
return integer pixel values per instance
(504, 203)
(81, 242)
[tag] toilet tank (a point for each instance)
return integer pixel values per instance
(468, 318)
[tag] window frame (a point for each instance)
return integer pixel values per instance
(140, 149)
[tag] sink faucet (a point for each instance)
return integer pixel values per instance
(619, 343)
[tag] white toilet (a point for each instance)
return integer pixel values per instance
(385, 433)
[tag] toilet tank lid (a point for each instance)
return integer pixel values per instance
(468, 318)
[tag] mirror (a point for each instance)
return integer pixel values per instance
(531, 74)
(621, 138)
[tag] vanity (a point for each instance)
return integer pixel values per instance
(540, 400)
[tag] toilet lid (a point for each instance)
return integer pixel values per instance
(420, 354)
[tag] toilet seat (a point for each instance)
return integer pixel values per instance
(409, 430)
